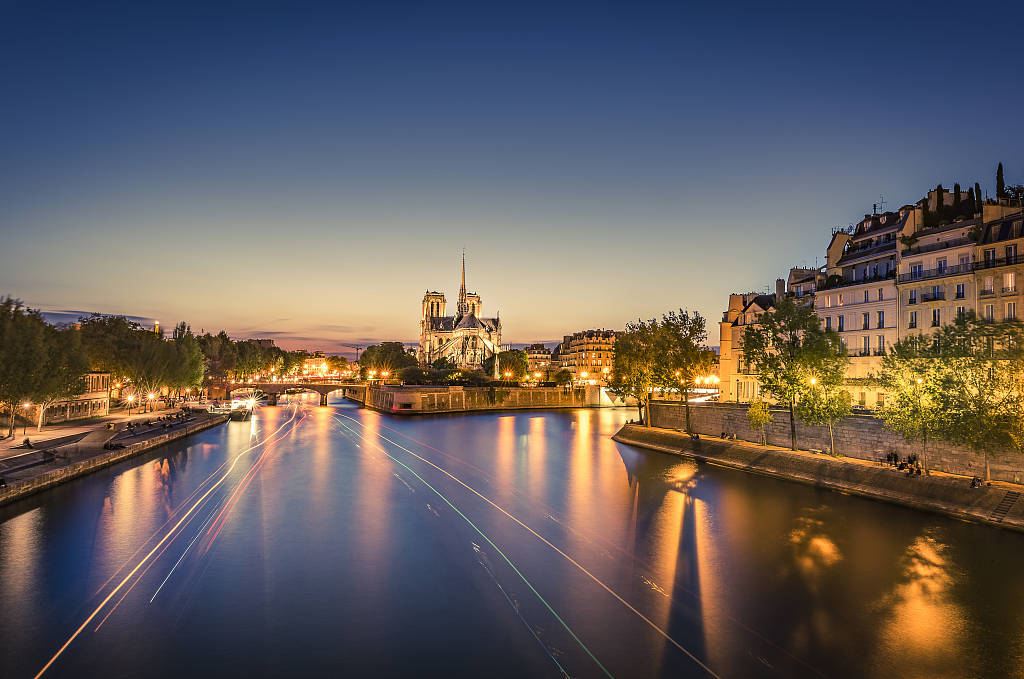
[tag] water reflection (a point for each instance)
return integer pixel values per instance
(320, 550)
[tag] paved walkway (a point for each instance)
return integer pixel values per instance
(68, 432)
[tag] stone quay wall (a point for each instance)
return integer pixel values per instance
(995, 505)
(857, 436)
(17, 490)
(419, 400)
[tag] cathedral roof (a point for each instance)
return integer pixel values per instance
(466, 322)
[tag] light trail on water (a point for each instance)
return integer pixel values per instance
(547, 542)
(168, 536)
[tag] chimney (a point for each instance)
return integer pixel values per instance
(780, 289)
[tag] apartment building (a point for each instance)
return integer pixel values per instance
(538, 360)
(588, 355)
(858, 298)
(936, 276)
(738, 382)
(999, 265)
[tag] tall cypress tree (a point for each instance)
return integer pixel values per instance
(956, 201)
(939, 200)
(1000, 183)
(971, 204)
(978, 196)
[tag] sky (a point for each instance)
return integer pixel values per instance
(305, 171)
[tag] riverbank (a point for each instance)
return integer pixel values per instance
(999, 505)
(37, 470)
(423, 400)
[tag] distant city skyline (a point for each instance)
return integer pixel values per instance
(305, 172)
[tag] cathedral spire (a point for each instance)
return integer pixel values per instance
(463, 303)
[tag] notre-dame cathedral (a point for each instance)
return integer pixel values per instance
(466, 338)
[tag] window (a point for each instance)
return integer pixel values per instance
(866, 317)
(828, 301)
(913, 320)
(881, 294)
(840, 299)
(990, 257)
(913, 297)
(828, 322)
(862, 399)
(965, 261)
(881, 319)
(916, 270)
(1009, 282)
(866, 299)
(840, 323)
(879, 399)
(987, 290)
(936, 317)
(960, 312)
(940, 265)
(990, 312)
(1011, 254)
(881, 344)
(959, 290)
(1011, 311)
(937, 292)
(865, 345)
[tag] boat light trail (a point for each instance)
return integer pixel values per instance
(157, 547)
(540, 537)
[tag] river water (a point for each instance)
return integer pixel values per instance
(343, 542)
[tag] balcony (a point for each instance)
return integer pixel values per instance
(1012, 288)
(998, 261)
(926, 274)
(846, 283)
(933, 296)
(911, 326)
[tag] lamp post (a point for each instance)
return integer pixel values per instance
(24, 425)
(130, 399)
(149, 401)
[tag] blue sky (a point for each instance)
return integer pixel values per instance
(309, 169)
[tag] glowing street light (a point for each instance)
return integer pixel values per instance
(130, 400)
(814, 380)
(26, 405)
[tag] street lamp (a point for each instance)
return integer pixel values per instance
(26, 405)
(130, 399)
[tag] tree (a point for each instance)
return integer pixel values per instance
(23, 355)
(443, 364)
(562, 377)
(956, 201)
(189, 364)
(1016, 194)
(61, 377)
(824, 404)
(386, 356)
(971, 203)
(940, 199)
(788, 347)
(1000, 183)
(979, 389)
(760, 416)
(635, 367)
(978, 197)
(682, 356)
(909, 375)
(514, 361)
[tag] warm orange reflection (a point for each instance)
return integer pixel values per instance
(923, 634)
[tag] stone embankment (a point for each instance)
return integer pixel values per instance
(39, 470)
(1000, 505)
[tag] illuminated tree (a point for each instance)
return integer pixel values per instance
(636, 365)
(788, 347)
(760, 416)
(681, 356)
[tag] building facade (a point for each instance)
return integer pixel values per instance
(538, 360)
(93, 402)
(467, 338)
(588, 355)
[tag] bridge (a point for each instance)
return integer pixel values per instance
(275, 389)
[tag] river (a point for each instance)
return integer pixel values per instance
(341, 541)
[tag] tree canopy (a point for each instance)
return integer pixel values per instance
(788, 348)
(513, 360)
